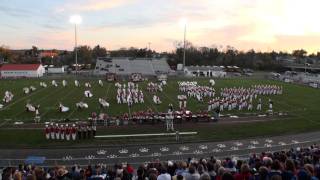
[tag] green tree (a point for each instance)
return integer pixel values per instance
(85, 55)
(5, 53)
(99, 51)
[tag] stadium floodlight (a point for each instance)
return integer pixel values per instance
(75, 19)
(183, 23)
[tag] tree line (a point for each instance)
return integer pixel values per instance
(228, 56)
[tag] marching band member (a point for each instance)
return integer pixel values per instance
(88, 131)
(57, 131)
(64, 83)
(54, 83)
(270, 104)
(94, 129)
(100, 83)
(62, 132)
(47, 132)
(74, 132)
(52, 131)
(79, 131)
(169, 121)
(76, 83)
(37, 114)
(68, 132)
(259, 106)
(250, 106)
(84, 131)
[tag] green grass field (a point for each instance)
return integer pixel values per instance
(302, 104)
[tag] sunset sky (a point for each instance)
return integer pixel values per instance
(263, 25)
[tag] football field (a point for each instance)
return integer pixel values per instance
(300, 102)
(49, 98)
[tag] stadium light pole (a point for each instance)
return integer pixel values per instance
(183, 23)
(76, 19)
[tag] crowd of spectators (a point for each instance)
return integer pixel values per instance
(293, 164)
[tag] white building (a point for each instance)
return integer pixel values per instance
(21, 70)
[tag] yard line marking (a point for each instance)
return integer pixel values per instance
(7, 120)
(38, 102)
(21, 99)
(151, 101)
(106, 96)
(170, 99)
(67, 94)
(129, 109)
(109, 85)
(85, 97)
(75, 107)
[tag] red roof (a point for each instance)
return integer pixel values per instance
(19, 67)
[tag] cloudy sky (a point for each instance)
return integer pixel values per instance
(263, 25)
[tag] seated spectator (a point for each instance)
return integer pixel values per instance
(192, 174)
(289, 171)
(164, 174)
(244, 173)
(227, 176)
(263, 173)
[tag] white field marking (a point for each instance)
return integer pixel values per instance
(164, 149)
(129, 110)
(112, 156)
(23, 98)
(170, 99)
(101, 152)
(123, 151)
(106, 96)
(155, 108)
(74, 110)
(203, 147)
(174, 153)
(209, 152)
(38, 102)
(143, 150)
(145, 135)
(67, 94)
(249, 121)
(6, 120)
(83, 97)
(134, 155)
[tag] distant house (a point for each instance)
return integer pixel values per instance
(48, 54)
(21, 70)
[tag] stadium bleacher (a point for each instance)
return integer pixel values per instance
(127, 66)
